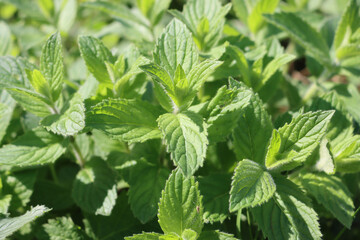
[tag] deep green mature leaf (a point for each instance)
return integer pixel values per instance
(291, 145)
(180, 205)
(349, 23)
(94, 189)
(253, 131)
(5, 39)
(127, 120)
(340, 126)
(36, 147)
(10, 225)
(175, 46)
(146, 183)
(185, 135)
(332, 194)
(70, 121)
(62, 228)
(215, 190)
(303, 34)
(205, 19)
(225, 114)
(31, 101)
(12, 71)
(215, 235)
(255, 19)
(347, 155)
(251, 186)
(296, 206)
(95, 54)
(273, 222)
(52, 66)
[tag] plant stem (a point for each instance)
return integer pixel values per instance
(249, 223)
(77, 153)
(344, 228)
(53, 173)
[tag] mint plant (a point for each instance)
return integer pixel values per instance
(162, 120)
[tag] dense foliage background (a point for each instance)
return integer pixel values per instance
(199, 119)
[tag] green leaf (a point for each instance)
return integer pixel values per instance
(145, 236)
(63, 228)
(5, 39)
(186, 139)
(52, 66)
(31, 101)
(332, 194)
(303, 34)
(126, 120)
(241, 62)
(215, 235)
(36, 147)
(67, 16)
(251, 186)
(347, 52)
(255, 19)
(175, 46)
(39, 83)
(293, 143)
(70, 121)
(95, 54)
(215, 189)
(146, 183)
(253, 131)
(10, 225)
(273, 222)
(180, 205)
(224, 117)
(273, 66)
(7, 105)
(349, 23)
(153, 9)
(296, 206)
(5, 201)
(12, 71)
(347, 155)
(94, 188)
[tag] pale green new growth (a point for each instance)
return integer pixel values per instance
(10, 225)
(186, 139)
(180, 205)
(251, 186)
(70, 121)
(63, 228)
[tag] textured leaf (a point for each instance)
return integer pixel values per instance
(67, 16)
(349, 23)
(9, 225)
(63, 228)
(186, 139)
(51, 64)
(7, 105)
(146, 183)
(127, 120)
(95, 54)
(5, 201)
(70, 121)
(215, 235)
(5, 39)
(347, 155)
(12, 71)
(215, 189)
(180, 205)
(145, 236)
(303, 34)
(31, 101)
(251, 186)
(153, 9)
(253, 131)
(293, 143)
(332, 194)
(295, 205)
(224, 117)
(94, 188)
(175, 46)
(36, 147)
(273, 222)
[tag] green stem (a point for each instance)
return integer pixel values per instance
(238, 222)
(53, 173)
(249, 223)
(77, 153)
(344, 228)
